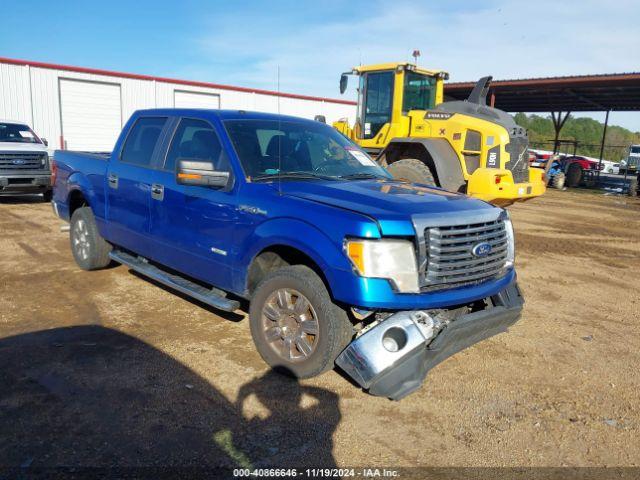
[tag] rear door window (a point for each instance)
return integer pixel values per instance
(142, 140)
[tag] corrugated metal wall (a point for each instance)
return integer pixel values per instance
(32, 94)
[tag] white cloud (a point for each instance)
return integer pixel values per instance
(505, 39)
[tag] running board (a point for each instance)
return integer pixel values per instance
(213, 297)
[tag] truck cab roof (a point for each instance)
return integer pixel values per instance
(396, 65)
(220, 114)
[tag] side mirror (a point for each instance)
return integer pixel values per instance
(320, 118)
(344, 80)
(45, 142)
(195, 172)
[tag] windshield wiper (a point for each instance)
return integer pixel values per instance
(360, 176)
(295, 175)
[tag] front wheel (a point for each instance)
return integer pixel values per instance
(295, 325)
(574, 175)
(558, 181)
(89, 249)
(412, 170)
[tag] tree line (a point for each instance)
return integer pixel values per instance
(587, 131)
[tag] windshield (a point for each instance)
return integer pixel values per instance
(419, 92)
(635, 149)
(270, 148)
(13, 132)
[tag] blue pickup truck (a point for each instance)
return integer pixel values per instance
(340, 263)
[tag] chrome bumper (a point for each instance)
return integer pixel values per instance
(393, 358)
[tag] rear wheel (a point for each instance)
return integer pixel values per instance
(412, 170)
(295, 325)
(89, 249)
(558, 181)
(574, 175)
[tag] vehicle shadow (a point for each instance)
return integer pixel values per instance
(21, 199)
(92, 397)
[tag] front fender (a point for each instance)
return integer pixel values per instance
(294, 233)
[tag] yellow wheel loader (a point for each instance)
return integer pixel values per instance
(461, 146)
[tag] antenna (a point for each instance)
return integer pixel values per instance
(279, 139)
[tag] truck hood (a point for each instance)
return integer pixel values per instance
(386, 200)
(22, 147)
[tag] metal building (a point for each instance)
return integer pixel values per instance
(84, 109)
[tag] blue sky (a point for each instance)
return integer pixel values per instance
(243, 43)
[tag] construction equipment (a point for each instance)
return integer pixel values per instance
(461, 146)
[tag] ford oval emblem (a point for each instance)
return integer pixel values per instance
(18, 161)
(481, 249)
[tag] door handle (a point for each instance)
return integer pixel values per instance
(113, 180)
(157, 191)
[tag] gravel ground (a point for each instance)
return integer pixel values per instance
(106, 368)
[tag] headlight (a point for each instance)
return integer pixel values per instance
(511, 242)
(394, 260)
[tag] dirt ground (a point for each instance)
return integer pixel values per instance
(106, 368)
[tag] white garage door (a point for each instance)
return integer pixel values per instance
(91, 115)
(184, 99)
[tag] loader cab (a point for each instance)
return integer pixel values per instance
(388, 92)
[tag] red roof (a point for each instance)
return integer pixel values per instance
(608, 91)
(96, 71)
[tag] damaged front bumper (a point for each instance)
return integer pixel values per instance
(393, 358)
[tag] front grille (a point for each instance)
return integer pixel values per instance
(450, 260)
(518, 161)
(22, 161)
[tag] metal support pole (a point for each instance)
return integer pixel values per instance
(557, 133)
(604, 136)
(558, 123)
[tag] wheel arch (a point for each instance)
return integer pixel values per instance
(75, 200)
(80, 187)
(275, 256)
(436, 153)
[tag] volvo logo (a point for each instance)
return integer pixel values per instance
(18, 161)
(481, 249)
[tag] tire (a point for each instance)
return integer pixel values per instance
(47, 196)
(412, 170)
(89, 249)
(574, 175)
(558, 181)
(633, 187)
(273, 318)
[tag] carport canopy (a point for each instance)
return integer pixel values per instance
(585, 93)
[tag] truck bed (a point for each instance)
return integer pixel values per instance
(80, 170)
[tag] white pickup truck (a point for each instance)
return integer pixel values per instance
(24, 160)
